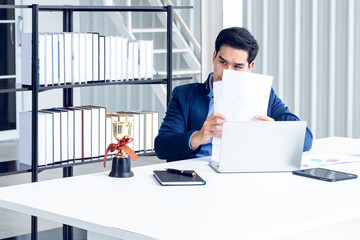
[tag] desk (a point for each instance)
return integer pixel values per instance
(229, 206)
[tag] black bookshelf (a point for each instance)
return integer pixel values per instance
(156, 80)
(67, 27)
(53, 234)
(17, 88)
(15, 167)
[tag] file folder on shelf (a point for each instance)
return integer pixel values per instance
(25, 133)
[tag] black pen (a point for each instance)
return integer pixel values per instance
(181, 172)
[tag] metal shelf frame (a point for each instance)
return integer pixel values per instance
(156, 80)
(68, 88)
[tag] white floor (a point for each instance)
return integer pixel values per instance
(13, 223)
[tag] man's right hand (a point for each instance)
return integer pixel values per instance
(212, 127)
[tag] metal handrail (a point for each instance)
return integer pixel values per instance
(80, 8)
(183, 25)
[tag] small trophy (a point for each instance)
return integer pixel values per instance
(121, 164)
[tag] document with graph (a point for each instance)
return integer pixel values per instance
(240, 96)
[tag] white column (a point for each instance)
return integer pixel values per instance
(350, 69)
(232, 13)
(314, 53)
(265, 30)
(297, 59)
(332, 70)
(249, 15)
(281, 50)
(215, 16)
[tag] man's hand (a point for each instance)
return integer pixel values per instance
(212, 127)
(263, 118)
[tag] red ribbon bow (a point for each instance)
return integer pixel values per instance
(121, 146)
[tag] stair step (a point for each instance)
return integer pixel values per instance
(176, 50)
(181, 72)
(149, 30)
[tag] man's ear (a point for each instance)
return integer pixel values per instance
(214, 56)
(251, 65)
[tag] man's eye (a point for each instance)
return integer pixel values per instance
(238, 67)
(222, 62)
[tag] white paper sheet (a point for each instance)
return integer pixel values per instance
(317, 160)
(240, 96)
(332, 150)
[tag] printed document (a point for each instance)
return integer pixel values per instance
(240, 96)
(332, 150)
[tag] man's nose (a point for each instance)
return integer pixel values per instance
(229, 67)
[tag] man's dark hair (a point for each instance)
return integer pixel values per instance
(239, 38)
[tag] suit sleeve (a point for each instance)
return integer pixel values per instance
(279, 112)
(172, 142)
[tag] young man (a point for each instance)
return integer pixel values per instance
(190, 121)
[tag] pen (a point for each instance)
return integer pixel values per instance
(181, 172)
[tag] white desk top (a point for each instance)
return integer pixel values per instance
(229, 206)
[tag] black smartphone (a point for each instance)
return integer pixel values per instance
(325, 174)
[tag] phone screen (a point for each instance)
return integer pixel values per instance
(325, 174)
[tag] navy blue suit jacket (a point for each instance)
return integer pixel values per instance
(187, 112)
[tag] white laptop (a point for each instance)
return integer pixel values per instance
(261, 146)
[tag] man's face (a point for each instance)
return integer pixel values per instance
(230, 58)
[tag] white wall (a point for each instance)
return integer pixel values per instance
(216, 15)
(312, 49)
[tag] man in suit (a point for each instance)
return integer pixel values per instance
(191, 123)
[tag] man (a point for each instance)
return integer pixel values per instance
(191, 123)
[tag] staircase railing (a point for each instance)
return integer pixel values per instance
(185, 28)
(126, 29)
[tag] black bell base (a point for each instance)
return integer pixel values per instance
(121, 175)
(121, 168)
